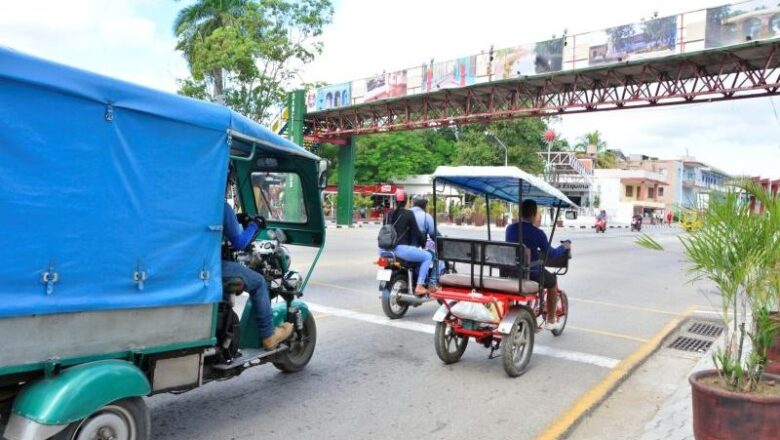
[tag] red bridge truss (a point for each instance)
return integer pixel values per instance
(744, 71)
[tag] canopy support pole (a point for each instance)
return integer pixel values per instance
(436, 233)
(487, 211)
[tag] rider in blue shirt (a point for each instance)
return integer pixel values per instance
(425, 223)
(536, 241)
(254, 283)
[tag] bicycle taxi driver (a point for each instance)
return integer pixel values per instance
(255, 284)
(536, 240)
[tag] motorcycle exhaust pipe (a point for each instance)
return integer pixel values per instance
(411, 299)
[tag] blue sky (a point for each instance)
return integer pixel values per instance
(133, 40)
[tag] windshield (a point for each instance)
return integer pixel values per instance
(279, 196)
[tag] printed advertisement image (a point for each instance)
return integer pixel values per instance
(736, 24)
(633, 41)
(448, 74)
(513, 62)
(333, 96)
(543, 57)
(386, 85)
(548, 55)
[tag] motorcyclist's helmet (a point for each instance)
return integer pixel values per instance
(400, 195)
(419, 200)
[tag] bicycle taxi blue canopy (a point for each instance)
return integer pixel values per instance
(112, 193)
(509, 184)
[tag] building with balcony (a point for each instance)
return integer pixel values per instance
(689, 181)
(625, 193)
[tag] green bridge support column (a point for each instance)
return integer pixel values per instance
(344, 214)
(296, 107)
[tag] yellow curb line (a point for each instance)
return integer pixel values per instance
(603, 389)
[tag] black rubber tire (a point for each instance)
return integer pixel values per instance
(133, 407)
(298, 356)
(392, 309)
(565, 304)
(521, 337)
(443, 343)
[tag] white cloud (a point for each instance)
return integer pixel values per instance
(109, 37)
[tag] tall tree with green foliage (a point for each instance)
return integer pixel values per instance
(388, 156)
(523, 138)
(244, 52)
(604, 157)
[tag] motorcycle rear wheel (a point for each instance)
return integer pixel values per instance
(390, 305)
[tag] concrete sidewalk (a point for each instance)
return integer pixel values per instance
(654, 403)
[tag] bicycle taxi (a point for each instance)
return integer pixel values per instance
(494, 302)
(111, 285)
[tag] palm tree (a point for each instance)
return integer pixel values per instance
(604, 158)
(201, 19)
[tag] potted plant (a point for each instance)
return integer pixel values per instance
(737, 251)
(480, 209)
(497, 209)
(457, 214)
(468, 215)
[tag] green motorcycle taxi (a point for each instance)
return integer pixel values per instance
(111, 249)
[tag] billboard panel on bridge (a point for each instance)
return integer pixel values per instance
(735, 24)
(542, 57)
(333, 96)
(448, 74)
(386, 85)
(633, 41)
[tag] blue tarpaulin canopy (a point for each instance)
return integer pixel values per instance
(502, 183)
(112, 194)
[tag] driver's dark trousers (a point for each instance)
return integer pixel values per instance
(256, 286)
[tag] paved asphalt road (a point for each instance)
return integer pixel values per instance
(373, 378)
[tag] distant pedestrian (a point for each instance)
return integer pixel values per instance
(669, 218)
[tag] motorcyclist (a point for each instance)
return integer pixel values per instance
(255, 284)
(410, 240)
(536, 241)
(426, 225)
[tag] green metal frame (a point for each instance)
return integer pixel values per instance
(346, 184)
(249, 336)
(79, 391)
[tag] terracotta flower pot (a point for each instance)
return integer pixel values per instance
(719, 414)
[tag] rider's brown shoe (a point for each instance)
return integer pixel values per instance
(420, 290)
(281, 334)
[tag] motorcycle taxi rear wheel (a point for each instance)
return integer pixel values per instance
(301, 349)
(126, 419)
(390, 305)
(449, 346)
(518, 345)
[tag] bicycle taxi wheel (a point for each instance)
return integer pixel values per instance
(518, 345)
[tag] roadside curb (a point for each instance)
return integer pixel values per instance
(604, 388)
(674, 418)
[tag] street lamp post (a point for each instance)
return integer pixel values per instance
(495, 140)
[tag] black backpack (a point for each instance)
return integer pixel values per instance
(387, 238)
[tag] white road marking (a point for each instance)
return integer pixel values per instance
(575, 356)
